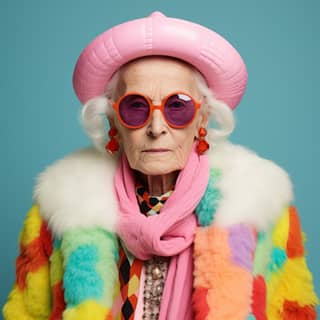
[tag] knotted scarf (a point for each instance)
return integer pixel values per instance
(170, 233)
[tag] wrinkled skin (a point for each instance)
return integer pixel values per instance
(158, 149)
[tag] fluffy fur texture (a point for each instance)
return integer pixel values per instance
(254, 190)
(31, 296)
(58, 304)
(199, 303)
(87, 310)
(224, 269)
(208, 205)
(15, 307)
(77, 191)
(90, 264)
(259, 300)
(288, 298)
(216, 270)
(56, 275)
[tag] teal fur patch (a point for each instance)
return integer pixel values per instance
(208, 205)
(261, 236)
(56, 243)
(116, 253)
(278, 258)
(90, 258)
(251, 317)
(81, 281)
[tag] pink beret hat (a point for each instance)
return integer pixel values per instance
(217, 60)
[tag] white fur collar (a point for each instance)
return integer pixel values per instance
(77, 191)
(254, 190)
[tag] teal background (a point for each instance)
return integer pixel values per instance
(278, 117)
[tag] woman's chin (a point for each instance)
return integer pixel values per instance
(157, 169)
(156, 166)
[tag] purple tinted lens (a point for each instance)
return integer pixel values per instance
(134, 110)
(179, 109)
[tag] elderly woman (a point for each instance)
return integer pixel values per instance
(160, 227)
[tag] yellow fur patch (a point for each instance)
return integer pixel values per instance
(37, 294)
(32, 226)
(15, 308)
(56, 268)
(86, 310)
(293, 283)
(281, 231)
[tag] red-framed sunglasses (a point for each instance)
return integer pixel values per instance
(134, 109)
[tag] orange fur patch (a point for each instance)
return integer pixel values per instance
(215, 270)
(295, 244)
(109, 316)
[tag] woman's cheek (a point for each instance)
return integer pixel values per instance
(182, 154)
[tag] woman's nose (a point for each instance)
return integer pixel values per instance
(157, 125)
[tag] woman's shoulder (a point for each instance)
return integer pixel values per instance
(77, 191)
(253, 189)
(242, 159)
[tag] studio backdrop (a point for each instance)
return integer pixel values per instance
(39, 123)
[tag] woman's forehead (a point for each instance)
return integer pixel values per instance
(158, 72)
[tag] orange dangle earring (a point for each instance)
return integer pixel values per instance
(113, 145)
(203, 145)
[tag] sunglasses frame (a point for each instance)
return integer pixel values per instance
(153, 107)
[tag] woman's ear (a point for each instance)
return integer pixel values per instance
(204, 119)
(202, 122)
(113, 124)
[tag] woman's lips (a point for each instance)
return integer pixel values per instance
(156, 150)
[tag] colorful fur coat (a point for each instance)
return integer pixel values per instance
(249, 257)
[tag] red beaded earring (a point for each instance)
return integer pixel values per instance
(203, 145)
(113, 145)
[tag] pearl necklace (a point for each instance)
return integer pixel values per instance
(155, 270)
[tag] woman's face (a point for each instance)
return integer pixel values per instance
(157, 148)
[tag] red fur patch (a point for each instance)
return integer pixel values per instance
(199, 303)
(46, 239)
(58, 302)
(30, 259)
(293, 311)
(295, 243)
(259, 298)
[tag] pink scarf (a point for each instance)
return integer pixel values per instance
(169, 234)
